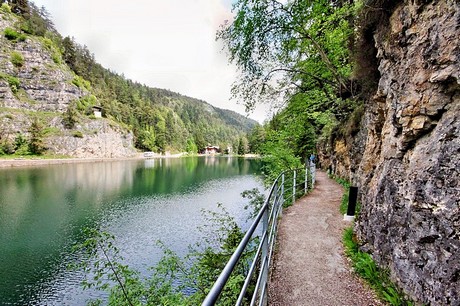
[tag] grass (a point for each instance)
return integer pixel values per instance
(363, 264)
(378, 279)
(30, 156)
(12, 81)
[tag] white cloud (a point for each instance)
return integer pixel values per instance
(165, 44)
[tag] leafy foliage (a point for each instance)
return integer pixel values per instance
(5, 8)
(172, 276)
(21, 146)
(294, 46)
(298, 54)
(11, 34)
(377, 278)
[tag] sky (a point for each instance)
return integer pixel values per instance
(166, 44)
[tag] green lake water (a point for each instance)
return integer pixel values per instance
(44, 209)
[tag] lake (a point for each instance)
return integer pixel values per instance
(44, 209)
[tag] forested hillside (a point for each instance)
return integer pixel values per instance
(47, 78)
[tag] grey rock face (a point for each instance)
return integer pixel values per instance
(409, 169)
(100, 139)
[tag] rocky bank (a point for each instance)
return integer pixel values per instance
(405, 158)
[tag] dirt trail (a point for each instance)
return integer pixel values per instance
(309, 266)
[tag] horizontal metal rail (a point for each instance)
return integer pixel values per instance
(281, 190)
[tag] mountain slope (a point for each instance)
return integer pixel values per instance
(54, 80)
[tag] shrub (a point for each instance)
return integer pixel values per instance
(86, 103)
(25, 27)
(5, 8)
(19, 141)
(12, 81)
(77, 134)
(17, 59)
(56, 58)
(6, 148)
(49, 44)
(11, 34)
(70, 117)
(21, 145)
(81, 82)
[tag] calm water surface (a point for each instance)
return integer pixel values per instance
(42, 212)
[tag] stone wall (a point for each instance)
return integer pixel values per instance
(406, 158)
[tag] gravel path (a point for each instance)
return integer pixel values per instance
(309, 266)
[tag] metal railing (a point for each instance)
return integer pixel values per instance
(288, 186)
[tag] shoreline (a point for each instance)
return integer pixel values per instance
(16, 163)
(37, 162)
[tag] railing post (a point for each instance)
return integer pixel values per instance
(265, 227)
(306, 179)
(282, 194)
(275, 198)
(293, 187)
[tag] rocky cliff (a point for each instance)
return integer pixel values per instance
(39, 85)
(406, 156)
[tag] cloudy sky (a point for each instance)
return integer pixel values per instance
(162, 43)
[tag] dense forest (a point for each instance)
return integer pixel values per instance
(161, 120)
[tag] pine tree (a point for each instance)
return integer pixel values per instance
(36, 145)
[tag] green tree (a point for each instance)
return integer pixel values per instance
(243, 145)
(290, 47)
(298, 51)
(191, 146)
(69, 54)
(146, 139)
(36, 144)
(70, 117)
(160, 130)
(199, 140)
(21, 146)
(256, 138)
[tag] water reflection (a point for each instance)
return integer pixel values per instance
(43, 209)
